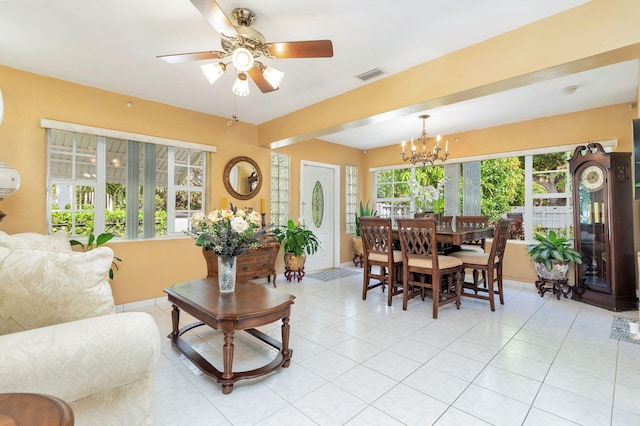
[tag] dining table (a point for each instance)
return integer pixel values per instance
(450, 238)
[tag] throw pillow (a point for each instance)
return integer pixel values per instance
(45, 287)
(58, 241)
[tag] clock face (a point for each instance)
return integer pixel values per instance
(592, 178)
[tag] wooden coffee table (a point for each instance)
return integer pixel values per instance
(251, 305)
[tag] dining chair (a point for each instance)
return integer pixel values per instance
(473, 222)
(377, 244)
(424, 269)
(489, 263)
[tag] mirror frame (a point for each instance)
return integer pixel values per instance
(227, 183)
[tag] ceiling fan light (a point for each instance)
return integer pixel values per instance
(241, 86)
(242, 59)
(213, 71)
(273, 76)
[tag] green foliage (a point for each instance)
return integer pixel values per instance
(365, 210)
(94, 242)
(115, 222)
(297, 239)
(551, 248)
(501, 180)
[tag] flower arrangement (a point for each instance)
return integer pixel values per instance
(428, 195)
(227, 232)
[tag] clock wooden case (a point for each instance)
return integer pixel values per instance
(603, 227)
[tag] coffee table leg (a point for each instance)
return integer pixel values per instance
(286, 353)
(227, 356)
(175, 321)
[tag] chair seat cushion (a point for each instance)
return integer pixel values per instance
(472, 247)
(444, 262)
(383, 257)
(472, 257)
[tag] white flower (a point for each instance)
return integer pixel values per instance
(255, 217)
(214, 215)
(196, 218)
(239, 225)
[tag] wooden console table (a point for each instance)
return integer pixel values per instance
(258, 263)
(250, 305)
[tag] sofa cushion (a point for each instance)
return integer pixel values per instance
(44, 287)
(58, 241)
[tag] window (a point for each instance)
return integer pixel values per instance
(396, 195)
(351, 196)
(534, 187)
(131, 188)
(279, 189)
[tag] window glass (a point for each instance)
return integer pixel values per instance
(132, 189)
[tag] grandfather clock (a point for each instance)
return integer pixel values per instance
(603, 227)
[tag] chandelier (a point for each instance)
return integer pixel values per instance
(422, 154)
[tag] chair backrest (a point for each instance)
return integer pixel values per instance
(418, 238)
(376, 234)
(472, 221)
(500, 238)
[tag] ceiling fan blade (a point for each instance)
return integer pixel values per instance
(260, 81)
(216, 17)
(194, 56)
(302, 49)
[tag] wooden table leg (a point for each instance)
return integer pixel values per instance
(227, 356)
(175, 321)
(286, 353)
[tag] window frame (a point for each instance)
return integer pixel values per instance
(100, 182)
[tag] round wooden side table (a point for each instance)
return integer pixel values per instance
(30, 409)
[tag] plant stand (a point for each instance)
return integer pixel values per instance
(358, 260)
(294, 274)
(557, 287)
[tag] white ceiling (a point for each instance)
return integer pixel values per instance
(113, 45)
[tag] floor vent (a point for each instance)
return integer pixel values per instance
(368, 75)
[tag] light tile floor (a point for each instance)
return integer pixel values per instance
(534, 361)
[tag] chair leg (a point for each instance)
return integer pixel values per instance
(476, 283)
(492, 302)
(365, 282)
(458, 279)
(435, 285)
(390, 281)
(405, 288)
(499, 275)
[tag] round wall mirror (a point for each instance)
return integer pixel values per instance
(242, 178)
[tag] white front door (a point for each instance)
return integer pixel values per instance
(319, 207)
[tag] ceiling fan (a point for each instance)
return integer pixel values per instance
(244, 44)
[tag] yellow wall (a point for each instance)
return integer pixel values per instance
(329, 153)
(148, 266)
(598, 33)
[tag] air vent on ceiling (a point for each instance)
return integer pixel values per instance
(368, 75)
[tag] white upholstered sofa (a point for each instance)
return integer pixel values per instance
(59, 334)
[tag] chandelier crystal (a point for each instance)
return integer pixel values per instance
(422, 154)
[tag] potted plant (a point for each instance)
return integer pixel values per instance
(298, 241)
(552, 255)
(365, 210)
(94, 242)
